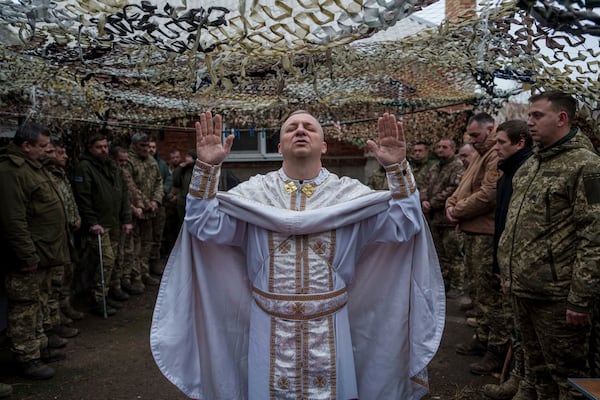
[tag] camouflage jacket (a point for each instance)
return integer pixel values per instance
(378, 179)
(135, 195)
(61, 183)
(550, 247)
(420, 170)
(146, 175)
(440, 183)
(32, 216)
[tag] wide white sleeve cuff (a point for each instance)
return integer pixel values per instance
(400, 180)
(205, 180)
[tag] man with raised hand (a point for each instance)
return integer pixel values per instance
(299, 283)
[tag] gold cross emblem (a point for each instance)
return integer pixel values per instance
(308, 189)
(290, 187)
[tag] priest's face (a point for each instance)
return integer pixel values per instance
(302, 138)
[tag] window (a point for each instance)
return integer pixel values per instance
(252, 144)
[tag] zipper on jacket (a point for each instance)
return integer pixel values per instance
(551, 260)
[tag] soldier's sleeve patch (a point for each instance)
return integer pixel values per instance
(78, 179)
(591, 184)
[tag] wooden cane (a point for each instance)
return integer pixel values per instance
(506, 367)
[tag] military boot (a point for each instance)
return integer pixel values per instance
(49, 355)
(132, 288)
(114, 303)
(36, 369)
(503, 391)
(118, 294)
(68, 310)
(489, 364)
(66, 332)
(474, 348)
(526, 391)
(5, 390)
(150, 281)
(55, 341)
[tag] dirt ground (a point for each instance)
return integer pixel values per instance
(111, 360)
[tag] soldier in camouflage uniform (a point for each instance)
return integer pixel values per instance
(146, 175)
(378, 179)
(513, 146)
(420, 162)
(442, 180)
(125, 254)
(104, 208)
(472, 206)
(549, 252)
(32, 239)
(61, 277)
(161, 215)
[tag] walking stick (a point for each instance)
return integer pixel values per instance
(102, 276)
(506, 367)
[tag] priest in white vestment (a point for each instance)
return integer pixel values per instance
(299, 284)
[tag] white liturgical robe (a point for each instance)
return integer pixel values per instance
(280, 289)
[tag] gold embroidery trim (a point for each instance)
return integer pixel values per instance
(299, 297)
(301, 317)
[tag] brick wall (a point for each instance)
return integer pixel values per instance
(457, 8)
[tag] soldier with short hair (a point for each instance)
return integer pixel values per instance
(442, 180)
(513, 146)
(32, 239)
(549, 251)
(160, 221)
(125, 253)
(471, 207)
(61, 279)
(104, 208)
(420, 162)
(146, 175)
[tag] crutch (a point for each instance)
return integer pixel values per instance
(102, 276)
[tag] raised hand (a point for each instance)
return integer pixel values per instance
(209, 146)
(391, 146)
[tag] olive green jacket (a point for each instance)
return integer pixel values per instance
(101, 193)
(550, 247)
(32, 216)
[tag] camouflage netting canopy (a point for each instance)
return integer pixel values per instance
(133, 64)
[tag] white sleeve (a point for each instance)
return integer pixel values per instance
(203, 218)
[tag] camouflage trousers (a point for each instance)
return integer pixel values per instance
(495, 324)
(518, 366)
(123, 260)
(110, 245)
(25, 313)
(139, 248)
(449, 247)
(553, 350)
(50, 296)
(127, 257)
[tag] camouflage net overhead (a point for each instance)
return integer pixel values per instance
(159, 63)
